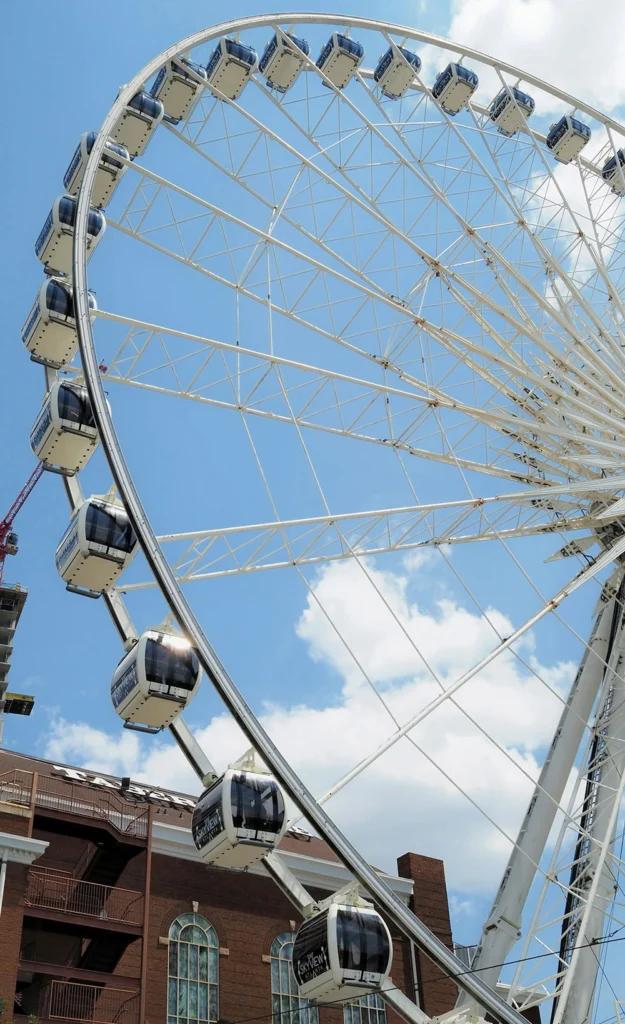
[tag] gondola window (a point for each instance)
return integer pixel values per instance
(286, 1005)
(105, 528)
(193, 980)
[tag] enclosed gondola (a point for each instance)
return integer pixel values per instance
(65, 436)
(110, 169)
(396, 71)
(614, 172)
(96, 547)
(230, 67)
(56, 238)
(340, 59)
(567, 138)
(138, 122)
(342, 953)
(239, 818)
(282, 61)
(176, 87)
(155, 681)
(49, 332)
(454, 87)
(510, 110)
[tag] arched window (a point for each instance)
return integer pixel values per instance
(369, 1009)
(286, 1005)
(193, 991)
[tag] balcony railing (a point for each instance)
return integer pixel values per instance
(127, 818)
(16, 787)
(61, 892)
(67, 1000)
(73, 798)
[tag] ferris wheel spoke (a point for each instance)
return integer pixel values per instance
(320, 539)
(547, 191)
(417, 167)
(477, 296)
(151, 356)
(205, 370)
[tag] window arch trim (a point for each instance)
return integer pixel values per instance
(193, 971)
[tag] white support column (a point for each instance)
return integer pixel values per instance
(503, 925)
(17, 850)
(593, 878)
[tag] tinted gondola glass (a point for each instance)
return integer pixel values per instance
(59, 299)
(143, 103)
(257, 803)
(245, 53)
(467, 75)
(362, 942)
(614, 173)
(74, 405)
(67, 215)
(112, 529)
(171, 665)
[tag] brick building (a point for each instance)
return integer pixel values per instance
(109, 915)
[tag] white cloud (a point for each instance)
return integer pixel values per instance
(402, 802)
(420, 558)
(573, 46)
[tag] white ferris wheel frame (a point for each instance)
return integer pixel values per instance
(168, 580)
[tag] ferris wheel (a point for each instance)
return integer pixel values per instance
(364, 255)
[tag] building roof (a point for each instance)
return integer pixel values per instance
(308, 856)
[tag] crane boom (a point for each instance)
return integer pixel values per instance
(7, 548)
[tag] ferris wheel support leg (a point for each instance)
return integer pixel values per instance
(503, 925)
(593, 880)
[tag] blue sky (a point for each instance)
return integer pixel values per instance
(194, 468)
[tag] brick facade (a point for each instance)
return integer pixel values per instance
(246, 909)
(12, 908)
(429, 902)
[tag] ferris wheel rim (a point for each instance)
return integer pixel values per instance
(111, 446)
(165, 578)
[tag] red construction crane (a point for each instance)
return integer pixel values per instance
(8, 539)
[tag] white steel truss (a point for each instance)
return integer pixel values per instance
(384, 273)
(320, 539)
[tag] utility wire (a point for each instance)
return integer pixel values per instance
(508, 963)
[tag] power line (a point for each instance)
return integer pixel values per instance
(508, 963)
